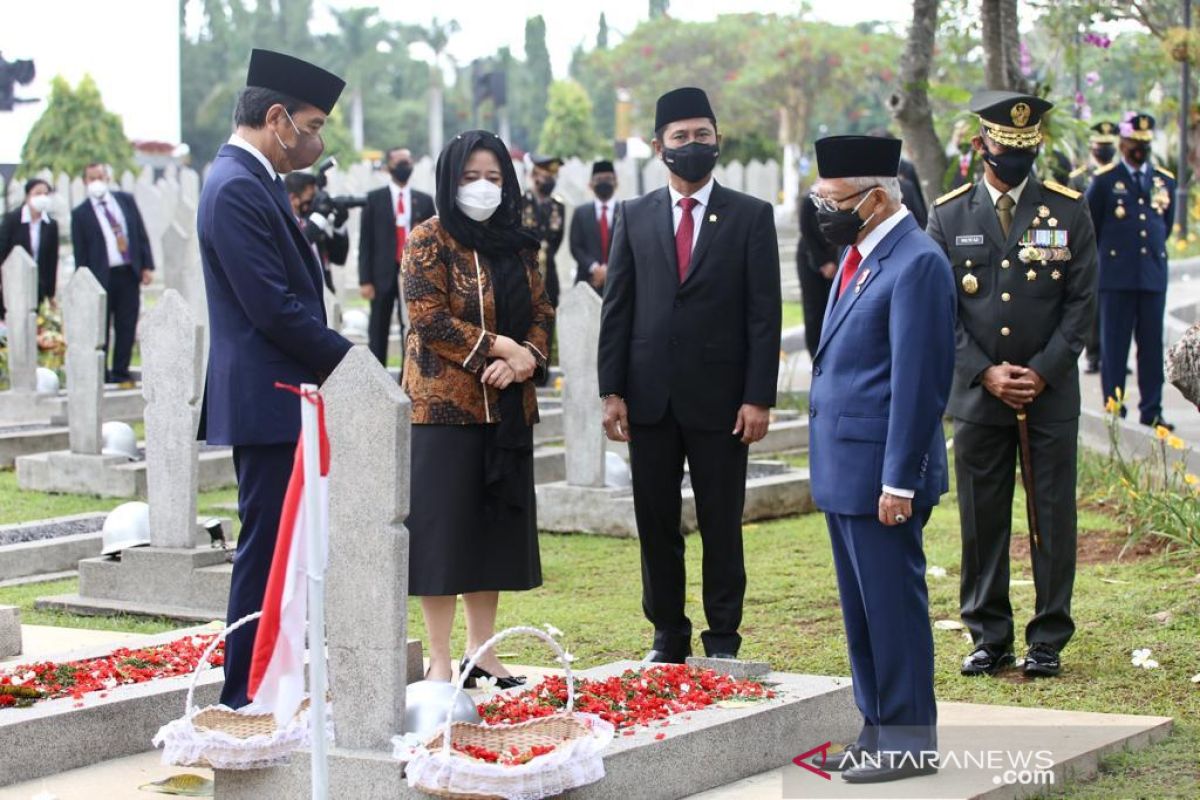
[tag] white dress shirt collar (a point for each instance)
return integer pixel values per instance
(1144, 168)
(701, 196)
(1014, 193)
(872, 239)
(27, 215)
(238, 141)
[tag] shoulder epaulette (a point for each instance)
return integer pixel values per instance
(1166, 172)
(948, 196)
(1063, 190)
(1075, 173)
(1109, 167)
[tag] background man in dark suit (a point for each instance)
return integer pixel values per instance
(110, 239)
(31, 227)
(392, 212)
(266, 313)
(881, 377)
(592, 228)
(1132, 204)
(816, 264)
(328, 237)
(1024, 258)
(688, 364)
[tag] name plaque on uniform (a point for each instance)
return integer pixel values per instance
(969, 240)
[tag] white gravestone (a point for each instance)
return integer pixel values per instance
(19, 276)
(578, 341)
(85, 317)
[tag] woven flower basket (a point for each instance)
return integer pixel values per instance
(577, 740)
(220, 737)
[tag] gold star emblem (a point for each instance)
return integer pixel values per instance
(1052, 222)
(1056, 275)
(1031, 275)
(1043, 211)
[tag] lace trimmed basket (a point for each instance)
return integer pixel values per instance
(578, 740)
(220, 737)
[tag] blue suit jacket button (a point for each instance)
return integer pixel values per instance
(812, 411)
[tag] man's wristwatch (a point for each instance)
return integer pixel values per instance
(610, 394)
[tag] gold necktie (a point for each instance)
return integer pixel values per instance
(1004, 210)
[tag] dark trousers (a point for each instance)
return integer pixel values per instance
(814, 295)
(124, 303)
(1136, 315)
(262, 475)
(385, 304)
(885, 608)
(985, 463)
(717, 462)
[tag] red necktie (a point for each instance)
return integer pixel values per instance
(604, 233)
(683, 236)
(401, 231)
(849, 268)
(118, 232)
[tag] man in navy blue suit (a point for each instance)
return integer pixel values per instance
(881, 379)
(266, 313)
(109, 238)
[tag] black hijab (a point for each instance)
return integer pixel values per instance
(500, 239)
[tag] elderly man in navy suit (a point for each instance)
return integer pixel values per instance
(881, 379)
(266, 313)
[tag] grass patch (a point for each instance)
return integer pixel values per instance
(793, 314)
(24, 596)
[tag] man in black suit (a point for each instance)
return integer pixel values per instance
(816, 264)
(31, 227)
(688, 361)
(392, 212)
(109, 238)
(591, 228)
(327, 236)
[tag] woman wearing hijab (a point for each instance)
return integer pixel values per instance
(479, 338)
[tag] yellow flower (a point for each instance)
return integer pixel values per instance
(1161, 432)
(1125, 482)
(558, 384)
(1111, 406)
(1175, 443)
(1190, 479)
(1119, 393)
(1180, 245)
(1133, 495)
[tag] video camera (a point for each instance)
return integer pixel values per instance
(329, 212)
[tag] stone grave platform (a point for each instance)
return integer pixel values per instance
(65, 472)
(773, 489)
(27, 438)
(10, 631)
(48, 546)
(731, 743)
(55, 735)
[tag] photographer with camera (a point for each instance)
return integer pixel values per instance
(325, 234)
(392, 212)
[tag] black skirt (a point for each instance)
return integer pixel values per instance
(455, 546)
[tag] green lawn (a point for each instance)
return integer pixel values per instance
(793, 314)
(792, 619)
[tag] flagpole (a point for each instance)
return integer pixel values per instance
(318, 681)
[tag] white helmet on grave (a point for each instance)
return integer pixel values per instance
(47, 382)
(127, 525)
(426, 703)
(616, 472)
(118, 439)
(354, 322)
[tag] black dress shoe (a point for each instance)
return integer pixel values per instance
(1093, 366)
(477, 673)
(663, 657)
(729, 656)
(987, 660)
(883, 772)
(1042, 662)
(1159, 421)
(850, 757)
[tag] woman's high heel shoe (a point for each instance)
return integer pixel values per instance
(510, 682)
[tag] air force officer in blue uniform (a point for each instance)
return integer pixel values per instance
(1132, 204)
(266, 313)
(881, 380)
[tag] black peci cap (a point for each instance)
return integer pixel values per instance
(686, 103)
(602, 166)
(305, 82)
(1011, 118)
(857, 157)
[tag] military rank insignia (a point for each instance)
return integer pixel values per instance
(1044, 244)
(1160, 198)
(970, 283)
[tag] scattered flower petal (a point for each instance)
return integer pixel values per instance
(936, 572)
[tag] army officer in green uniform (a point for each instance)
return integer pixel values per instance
(1024, 258)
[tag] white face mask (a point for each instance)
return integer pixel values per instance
(97, 189)
(40, 203)
(479, 199)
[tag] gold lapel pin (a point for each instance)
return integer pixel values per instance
(712, 217)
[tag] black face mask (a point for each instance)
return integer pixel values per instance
(1104, 153)
(546, 186)
(604, 189)
(1011, 167)
(1138, 154)
(402, 171)
(305, 209)
(693, 161)
(841, 227)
